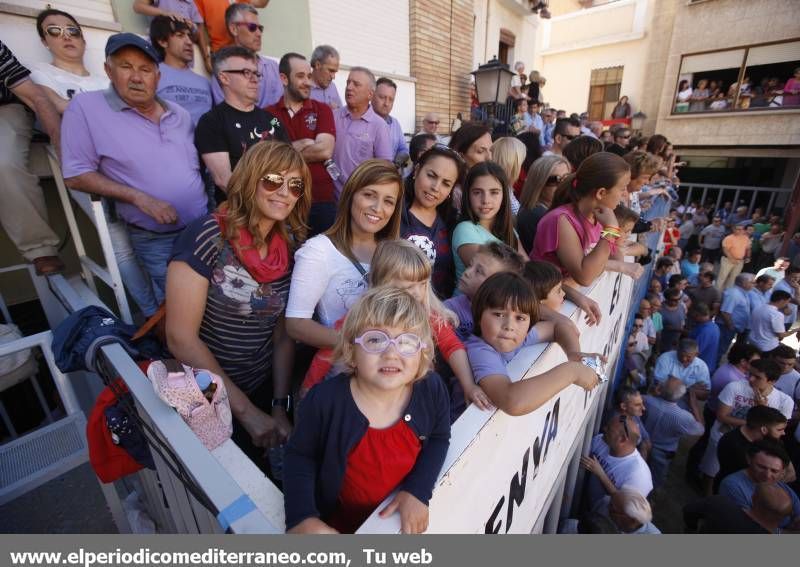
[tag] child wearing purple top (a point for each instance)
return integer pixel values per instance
(506, 310)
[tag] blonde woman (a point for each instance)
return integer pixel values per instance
(509, 153)
(537, 195)
(228, 284)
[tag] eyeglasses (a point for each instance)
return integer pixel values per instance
(248, 73)
(569, 137)
(628, 137)
(554, 179)
(68, 31)
(377, 342)
(274, 181)
(637, 326)
(434, 122)
(251, 27)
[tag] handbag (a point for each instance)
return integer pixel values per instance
(208, 417)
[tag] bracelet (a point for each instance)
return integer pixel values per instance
(285, 403)
(612, 243)
(606, 232)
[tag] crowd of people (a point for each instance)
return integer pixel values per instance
(712, 95)
(296, 250)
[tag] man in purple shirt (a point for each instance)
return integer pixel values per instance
(360, 133)
(246, 31)
(128, 145)
(324, 66)
(382, 104)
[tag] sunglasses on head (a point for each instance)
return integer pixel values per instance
(62, 31)
(274, 181)
(446, 149)
(251, 27)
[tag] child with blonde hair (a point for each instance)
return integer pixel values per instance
(400, 264)
(380, 426)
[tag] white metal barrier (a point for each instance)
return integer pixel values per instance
(778, 196)
(110, 274)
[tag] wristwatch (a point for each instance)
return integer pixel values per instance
(285, 403)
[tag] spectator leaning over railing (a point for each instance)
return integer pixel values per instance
(24, 214)
(152, 171)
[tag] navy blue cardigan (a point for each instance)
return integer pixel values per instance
(329, 427)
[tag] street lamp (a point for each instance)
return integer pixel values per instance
(637, 121)
(492, 81)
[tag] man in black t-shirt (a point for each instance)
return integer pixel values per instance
(225, 132)
(761, 422)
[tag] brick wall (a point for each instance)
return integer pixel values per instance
(441, 58)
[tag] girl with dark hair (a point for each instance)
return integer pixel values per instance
(533, 151)
(580, 232)
(430, 214)
(485, 214)
(474, 142)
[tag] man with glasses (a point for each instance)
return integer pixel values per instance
(324, 66)
(127, 144)
(566, 130)
(309, 124)
(430, 125)
(548, 127)
(246, 31)
(213, 13)
(227, 130)
(622, 138)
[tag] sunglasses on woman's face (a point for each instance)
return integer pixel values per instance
(274, 181)
(59, 31)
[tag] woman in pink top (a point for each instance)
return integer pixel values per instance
(580, 232)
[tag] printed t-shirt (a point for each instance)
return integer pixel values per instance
(434, 241)
(240, 314)
(546, 242)
(186, 88)
(227, 129)
(312, 119)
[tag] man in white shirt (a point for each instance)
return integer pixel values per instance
(766, 323)
(614, 461)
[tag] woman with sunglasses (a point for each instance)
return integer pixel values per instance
(66, 75)
(537, 195)
(330, 272)
(228, 284)
(430, 215)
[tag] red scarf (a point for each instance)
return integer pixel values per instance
(264, 270)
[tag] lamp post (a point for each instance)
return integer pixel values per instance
(492, 81)
(637, 121)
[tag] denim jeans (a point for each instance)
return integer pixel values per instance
(153, 250)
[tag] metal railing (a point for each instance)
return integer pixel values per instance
(702, 192)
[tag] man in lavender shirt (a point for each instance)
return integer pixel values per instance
(324, 66)
(128, 145)
(360, 133)
(382, 104)
(246, 31)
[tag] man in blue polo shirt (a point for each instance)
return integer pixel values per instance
(734, 315)
(706, 333)
(128, 145)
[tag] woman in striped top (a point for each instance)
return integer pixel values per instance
(227, 287)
